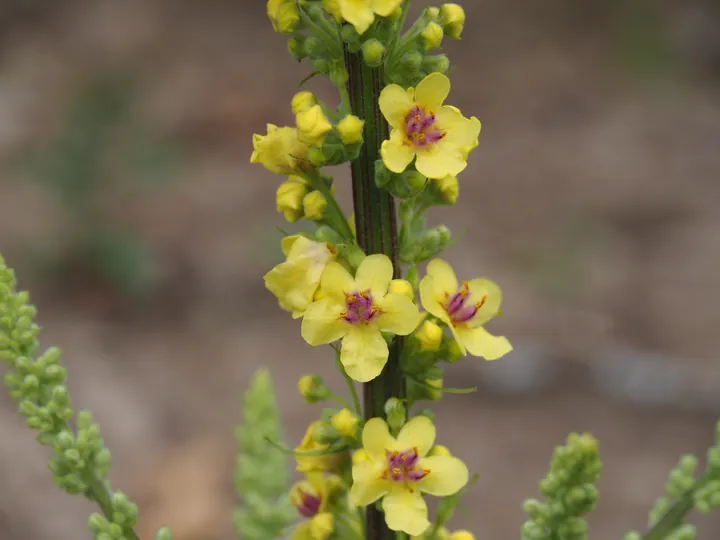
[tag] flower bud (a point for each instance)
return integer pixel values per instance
(452, 19)
(302, 101)
(416, 181)
(454, 352)
(401, 286)
(280, 151)
(289, 199)
(373, 52)
(436, 63)
(313, 389)
(395, 413)
(313, 125)
(439, 450)
(350, 37)
(430, 336)
(316, 156)
(462, 535)
(322, 526)
(411, 61)
(284, 15)
(350, 129)
(434, 393)
(324, 433)
(345, 423)
(431, 36)
(314, 205)
(164, 534)
(296, 48)
(432, 13)
(448, 189)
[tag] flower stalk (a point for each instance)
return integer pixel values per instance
(376, 233)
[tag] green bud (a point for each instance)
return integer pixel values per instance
(313, 46)
(410, 62)
(373, 53)
(164, 534)
(115, 531)
(313, 389)
(446, 508)
(338, 74)
(382, 175)
(436, 63)
(321, 65)
(632, 535)
(395, 413)
(714, 458)
(334, 150)
(351, 37)
(296, 48)
(97, 523)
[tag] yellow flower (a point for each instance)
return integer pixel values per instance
(289, 198)
(449, 188)
(361, 13)
(315, 463)
(283, 14)
(402, 286)
(351, 129)
(437, 134)
(452, 18)
(313, 125)
(280, 151)
(432, 36)
(310, 497)
(345, 423)
(356, 310)
(430, 336)
(462, 535)
(295, 281)
(464, 309)
(314, 205)
(302, 101)
(399, 470)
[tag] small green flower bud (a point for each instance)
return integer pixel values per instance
(296, 48)
(714, 458)
(97, 523)
(316, 156)
(164, 534)
(313, 46)
(351, 37)
(632, 535)
(436, 63)
(320, 64)
(410, 62)
(373, 52)
(338, 74)
(446, 508)
(325, 433)
(431, 36)
(313, 389)
(395, 413)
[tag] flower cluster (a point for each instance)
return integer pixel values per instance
(353, 299)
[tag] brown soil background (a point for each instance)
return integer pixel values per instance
(593, 200)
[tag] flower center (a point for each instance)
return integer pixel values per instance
(402, 467)
(360, 308)
(307, 505)
(420, 127)
(460, 307)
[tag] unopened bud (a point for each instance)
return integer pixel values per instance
(373, 52)
(350, 129)
(439, 450)
(284, 15)
(313, 389)
(312, 125)
(448, 189)
(345, 423)
(436, 63)
(452, 19)
(289, 198)
(429, 336)
(431, 36)
(302, 101)
(395, 413)
(314, 205)
(401, 286)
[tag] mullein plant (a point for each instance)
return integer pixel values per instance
(369, 461)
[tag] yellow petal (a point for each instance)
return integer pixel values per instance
(448, 475)
(430, 299)
(384, 8)
(480, 342)
(441, 160)
(487, 292)
(417, 433)
(376, 439)
(399, 314)
(323, 323)
(287, 242)
(459, 130)
(406, 511)
(374, 273)
(336, 282)
(395, 103)
(368, 485)
(443, 276)
(432, 91)
(364, 352)
(303, 532)
(396, 155)
(358, 13)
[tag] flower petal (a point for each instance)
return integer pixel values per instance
(418, 433)
(431, 301)
(441, 160)
(489, 293)
(302, 532)
(336, 282)
(358, 13)
(395, 103)
(444, 278)
(432, 91)
(368, 485)
(406, 511)
(376, 439)
(364, 353)
(480, 342)
(322, 323)
(460, 131)
(399, 314)
(448, 475)
(396, 155)
(384, 8)
(375, 273)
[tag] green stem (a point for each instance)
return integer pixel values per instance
(349, 381)
(674, 517)
(376, 233)
(333, 213)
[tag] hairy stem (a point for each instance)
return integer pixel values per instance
(376, 233)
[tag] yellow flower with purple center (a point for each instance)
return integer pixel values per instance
(357, 310)
(311, 497)
(399, 471)
(464, 308)
(437, 136)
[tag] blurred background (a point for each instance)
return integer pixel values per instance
(129, 209)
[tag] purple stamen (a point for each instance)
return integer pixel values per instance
(309, 505)
(360, 308)
(460, 308)
(419, 124)
(402, 467)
